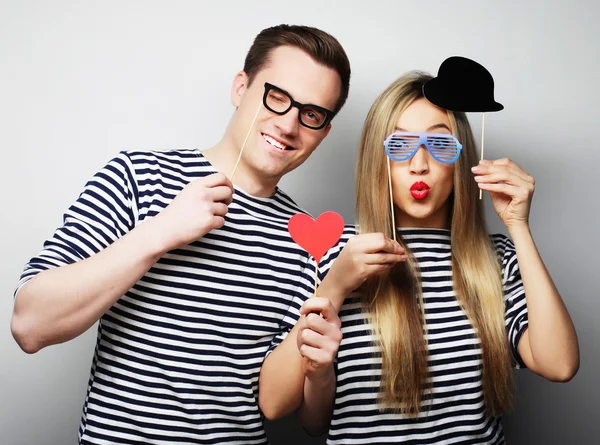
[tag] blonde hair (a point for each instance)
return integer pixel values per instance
(395, 300)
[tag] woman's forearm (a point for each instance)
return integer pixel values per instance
(550, 343)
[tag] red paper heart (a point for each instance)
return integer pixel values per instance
(316, 237)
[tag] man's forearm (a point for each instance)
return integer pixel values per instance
(317, 405)
(60, 304)
(281, 383)
(281, 379)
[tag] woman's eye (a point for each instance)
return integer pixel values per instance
(440, 142)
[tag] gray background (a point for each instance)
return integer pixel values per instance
(80, 81)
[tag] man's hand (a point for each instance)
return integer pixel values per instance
(319, 336)
(196, 210)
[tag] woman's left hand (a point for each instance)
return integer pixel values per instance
(511, 189)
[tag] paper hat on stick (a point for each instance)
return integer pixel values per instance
(462, 85)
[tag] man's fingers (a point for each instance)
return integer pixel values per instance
(221, 193)
(320, 324)
(317, 357)
(311, 338)
(218, 222)
(310, 352)
(217, 179)
(319, 305)
(219, 209)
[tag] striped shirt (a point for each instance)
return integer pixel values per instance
(178, 357)
(456, 412)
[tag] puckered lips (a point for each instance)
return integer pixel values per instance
(419, 190)
(276, 143)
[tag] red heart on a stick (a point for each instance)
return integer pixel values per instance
(316, 237)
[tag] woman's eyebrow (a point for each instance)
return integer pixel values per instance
(433, 127)
(436, 126)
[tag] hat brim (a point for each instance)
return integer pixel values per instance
(441, 96)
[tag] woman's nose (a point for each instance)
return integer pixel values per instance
(419, 163)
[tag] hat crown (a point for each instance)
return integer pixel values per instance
(462, 85)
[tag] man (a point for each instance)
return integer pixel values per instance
(188, 275)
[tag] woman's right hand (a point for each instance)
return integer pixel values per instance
(362, 257)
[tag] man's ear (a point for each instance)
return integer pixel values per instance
(326, 131)
(239, 86)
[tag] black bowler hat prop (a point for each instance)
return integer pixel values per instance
(462, 85)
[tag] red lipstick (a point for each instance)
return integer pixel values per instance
(419, 190)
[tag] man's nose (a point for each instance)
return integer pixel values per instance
(288, 123)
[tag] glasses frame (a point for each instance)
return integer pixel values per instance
(423, 140)
(328, 113)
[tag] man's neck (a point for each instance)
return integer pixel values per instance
(223, 158)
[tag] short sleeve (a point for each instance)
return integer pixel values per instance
(306, 286)
(105, 211)
(515, 316)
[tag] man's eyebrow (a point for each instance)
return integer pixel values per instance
(291, 97)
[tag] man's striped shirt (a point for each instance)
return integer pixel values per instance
(178, 357)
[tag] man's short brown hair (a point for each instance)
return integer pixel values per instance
(321, 46)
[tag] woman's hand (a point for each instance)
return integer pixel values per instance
(363, 256)
(510, 187)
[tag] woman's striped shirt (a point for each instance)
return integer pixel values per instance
(456, 412)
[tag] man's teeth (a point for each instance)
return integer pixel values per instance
(274, 143)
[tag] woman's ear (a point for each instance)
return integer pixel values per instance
(238, 87)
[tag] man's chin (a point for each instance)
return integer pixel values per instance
(269, 171)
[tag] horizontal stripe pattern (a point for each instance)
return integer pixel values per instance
(178, 356)
(453, 412)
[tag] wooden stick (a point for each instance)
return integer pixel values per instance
(316, 278)
(391, 199)
(244, 144)
(482, 136)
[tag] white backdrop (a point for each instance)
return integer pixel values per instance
(80, 81)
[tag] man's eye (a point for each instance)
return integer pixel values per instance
(311, 115)
(278, 98)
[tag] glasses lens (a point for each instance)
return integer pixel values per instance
(402, 147)
(277, 101)
(312, 117)
(444, 148)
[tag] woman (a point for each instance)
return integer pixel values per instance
(430, 338)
